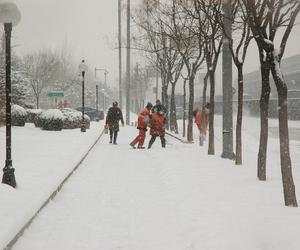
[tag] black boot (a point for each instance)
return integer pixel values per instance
(163, 141)
(152, 140)
(111, 135)
(115, 137)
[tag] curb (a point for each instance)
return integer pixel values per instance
(51, 197)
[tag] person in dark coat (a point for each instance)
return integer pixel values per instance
(114, 116)
(159, 108)
(157, 124)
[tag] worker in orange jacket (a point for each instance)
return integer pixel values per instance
(157, 124)
(143, 121)
(201, 120)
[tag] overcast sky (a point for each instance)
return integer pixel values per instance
(90, 27)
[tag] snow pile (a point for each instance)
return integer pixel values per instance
(52, 114)
(19, 115)
(73, 119)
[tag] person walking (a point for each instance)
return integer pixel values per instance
(157, 124)
(143, 121)
(114, 116)
(201, 120)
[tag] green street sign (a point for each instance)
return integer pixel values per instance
(55, 94)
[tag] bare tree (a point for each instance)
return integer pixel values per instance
(266, 18)
(206, 13)
(238, 46)
(162, 53)
(185, 33)
(40, 68)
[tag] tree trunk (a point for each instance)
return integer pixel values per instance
(163, 89)
(191, 108)
(167, 108)
(285, 159)
(201, 138)
(238, 159)
(184, 107)
(264, 126)
(165, 101)
(164, 98)
(204, 89)
(173, 120)
(211, 143)
(37, 102)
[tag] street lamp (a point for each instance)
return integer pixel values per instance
(9, 16)
(105, 74)
(83, 68)
(97, 98)
(104, 95)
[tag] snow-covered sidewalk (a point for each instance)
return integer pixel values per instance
(42, 159)
(177, 198)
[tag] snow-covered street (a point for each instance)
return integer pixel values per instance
(173, 198)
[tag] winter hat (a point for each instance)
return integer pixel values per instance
(149, 105)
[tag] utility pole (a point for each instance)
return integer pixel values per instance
(227, 85)
(128, 66)
(97, 98)
(120, 54)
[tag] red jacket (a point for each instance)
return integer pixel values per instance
(157, 125)
(143, 119)
(201, 119)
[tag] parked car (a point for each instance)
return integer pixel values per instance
(93, 113)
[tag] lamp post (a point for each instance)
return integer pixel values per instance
(105, 75)
(103, 99)
(9, 16)
(97, 98)
(83, 68)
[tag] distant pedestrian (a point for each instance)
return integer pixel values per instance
(201, 120)
(143, 121)
(159, 108)
(157, 124)
(114, 116)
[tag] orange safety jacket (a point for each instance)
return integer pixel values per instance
(201, 119)
(157, 124)
(143, 119)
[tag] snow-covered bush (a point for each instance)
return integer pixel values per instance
(38, 121)
(51, 119)
(32, 113)
(87, 121)
(18, 115)
(73, 119)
